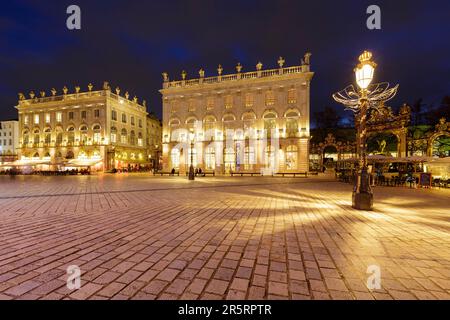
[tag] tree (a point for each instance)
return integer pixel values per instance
(417, 110)
(327, 119)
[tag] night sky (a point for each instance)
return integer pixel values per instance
(129, 43)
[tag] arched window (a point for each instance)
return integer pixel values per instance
(174, 123)
(132, 137)
(36, 138)
(140, 140)
(84, 134)
(190, 123)
(249, 157)
(26, 137)
(36, 156)
(270, 123)
(270, 157)
(113, 134)
(291, 157)
(210, 158)
(175, 158)
(58, 155)
(123, 136)
(230, 159)
(292, 117)
(209, 123)
(70, 135)
(48, 136)
(229, 117)
(47, 156)
(97, 134)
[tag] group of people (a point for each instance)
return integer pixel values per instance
(67, 172)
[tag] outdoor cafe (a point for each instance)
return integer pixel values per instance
(414, 171)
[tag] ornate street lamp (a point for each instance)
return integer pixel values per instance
(191, 167)
(369, 96)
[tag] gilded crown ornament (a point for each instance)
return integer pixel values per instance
(201, 72)
(238, 67)
(77, 89)
(90, 87)
(259, 66)
(165, 76)
(135, 99)
(281, 62)
(183, 74)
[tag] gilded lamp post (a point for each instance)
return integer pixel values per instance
(369, 96)
(191, 167)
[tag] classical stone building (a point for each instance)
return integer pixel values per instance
(95, 128)
(241, 122)
(154, 141)
(9, 140)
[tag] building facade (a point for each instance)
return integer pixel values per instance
(154, 141)
(9, 140)
(96, 128)
(241, 122)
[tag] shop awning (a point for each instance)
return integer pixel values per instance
(26, 163)
(82, 163)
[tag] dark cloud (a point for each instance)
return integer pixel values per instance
(130, 43)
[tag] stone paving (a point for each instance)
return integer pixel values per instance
(142, 237)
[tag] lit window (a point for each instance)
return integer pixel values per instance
(36, 119)
(97, 137)
(83, 114)
(47, 118)
(132, 121)
(291, 157)
(26, 120)
(270, 98)
(191, 106)
(71, 115)
(175, 158)
(249, 158)
(123, 136)
(97, 113)
(249, 100)
(210, 158)
(113, 135)
(292, 96)
(209, 103)
(59, 117)
(114, 115)
(228, 102)
(124, 118)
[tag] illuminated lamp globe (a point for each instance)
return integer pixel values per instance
(364, 70)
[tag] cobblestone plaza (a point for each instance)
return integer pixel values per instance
(141, 237)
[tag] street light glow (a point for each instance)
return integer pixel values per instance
(364, 70)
